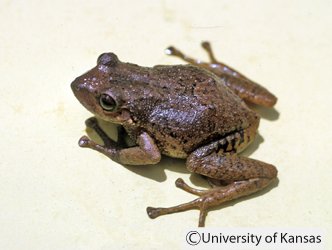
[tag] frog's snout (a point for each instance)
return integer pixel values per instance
(82, 92)
(78, 87)
(74, 86)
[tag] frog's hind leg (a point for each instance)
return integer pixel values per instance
(246, 176)
(171, 50)
(214, 65)
(242, 86)
(197, 203)
(206, 45)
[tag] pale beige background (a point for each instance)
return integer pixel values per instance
(55, 195)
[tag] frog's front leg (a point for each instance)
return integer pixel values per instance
(146, 152)
(245, 176)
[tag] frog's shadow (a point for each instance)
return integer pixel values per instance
(270, 114)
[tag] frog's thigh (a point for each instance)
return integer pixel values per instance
(229, 167)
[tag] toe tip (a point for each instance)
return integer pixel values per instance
(83, 141)
(152, 212)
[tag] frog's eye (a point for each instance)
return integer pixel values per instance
(107, 102)
(107, 59)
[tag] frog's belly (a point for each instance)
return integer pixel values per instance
(174, 150)
(233, 142)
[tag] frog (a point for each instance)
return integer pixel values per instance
(196, 111)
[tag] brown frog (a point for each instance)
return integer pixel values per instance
(195, 112)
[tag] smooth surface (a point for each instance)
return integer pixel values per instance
(55, 195)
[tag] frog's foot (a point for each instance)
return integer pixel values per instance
(109, 148)
(209, 198)
(206, 45)
(199, 203)
(175, 52)
(85, 142)
(93, 124)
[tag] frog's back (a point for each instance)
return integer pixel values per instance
(195, 108)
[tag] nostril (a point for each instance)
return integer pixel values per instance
(107, 59)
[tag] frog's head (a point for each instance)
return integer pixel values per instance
(97, 90)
